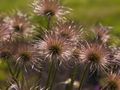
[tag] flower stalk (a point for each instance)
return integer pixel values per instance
(73, 76)
(54, 75)
(49, 75)
(49, 21)
(84, 75)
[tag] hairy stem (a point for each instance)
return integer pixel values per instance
(10, 69)
(84, 75)
(24, 79)
(73, 75)
(49, 75)
(49, 21)
(54, 75)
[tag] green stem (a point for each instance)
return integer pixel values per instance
(54, 76)
(49, 20)
(12, 73)
(83, 77)
(49, 75)
(24, 83)
(73, 75)
(17, 70)
(10, 69)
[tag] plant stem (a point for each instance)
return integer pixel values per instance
(22, 82)
(17, 70)
(49, 74)
(73, 75)
(54, 75)
(10, 69)
(14, 78)
(83, 77)
(49, 20)
(26, 81)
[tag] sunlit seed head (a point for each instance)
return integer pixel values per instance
(19, 24)
(111, 82)
(97, 55)
(26, 54)
(4, 32)
(6, 50)
(50, 8)
(116, 59)
(54, 46)
(94, 57)
(75, 58)
(55, 49)
(69, 31)
(102, 33)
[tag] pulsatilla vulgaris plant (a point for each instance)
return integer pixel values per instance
(59, 58)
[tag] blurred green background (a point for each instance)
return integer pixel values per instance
(87, 12)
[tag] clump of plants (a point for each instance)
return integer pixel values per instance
(59, 55)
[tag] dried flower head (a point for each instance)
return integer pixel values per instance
(117, 56)
(75, 58)
(26, 54)
(50, 8)
(19, 25)
(4, 32)
(53, 46)
(102, 33)
(116, 59)
(95, 54)
(6, 49)
(111, 82)
(76, 53)
(69, 31)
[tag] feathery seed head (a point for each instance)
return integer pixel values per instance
(102, 33)
(26, 54)
(95, 54)
(111, 82)
(4, 32)
(50, 8)
(19, 25)
(6, 49)
(53, 46)
(69, 31)
(117, 56)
